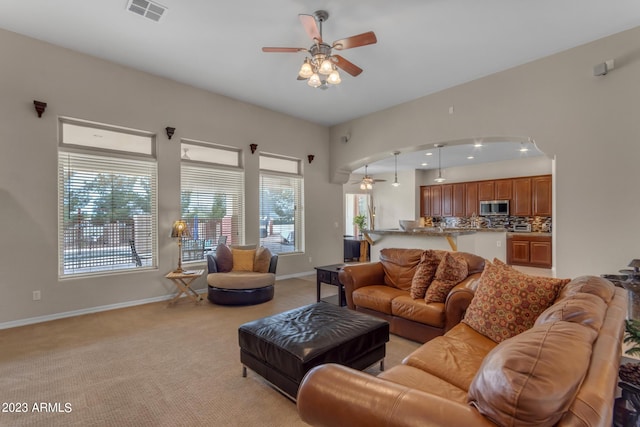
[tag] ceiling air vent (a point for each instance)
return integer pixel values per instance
(148, 9)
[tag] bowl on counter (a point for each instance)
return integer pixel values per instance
(408, 225)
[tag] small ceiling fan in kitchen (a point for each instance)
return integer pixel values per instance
(319, 68)
(366, 183)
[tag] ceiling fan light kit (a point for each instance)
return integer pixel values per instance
(320, 68)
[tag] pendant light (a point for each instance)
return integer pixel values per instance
(439, 179)
(395, 179)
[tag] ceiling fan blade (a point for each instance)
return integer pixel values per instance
(283, 49)
(355, 41)
(311, 27)
(347, 66)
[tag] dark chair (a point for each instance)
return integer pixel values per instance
(193, 250)
(134, 253)
(240, 288)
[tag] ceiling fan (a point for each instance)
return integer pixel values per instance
(319, 69)
(366, 183)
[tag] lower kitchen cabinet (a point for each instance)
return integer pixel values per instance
(529, 250)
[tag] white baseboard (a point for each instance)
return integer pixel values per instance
(295, 275)
(49, 317)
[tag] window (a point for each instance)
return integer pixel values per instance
(212, 197)
(107, 187)
(281, 208)
(355, 204)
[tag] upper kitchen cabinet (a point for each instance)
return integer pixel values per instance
(459, 199)
(486, 190)
(425, 200)
(472, 205)
(436, 200)
(504, 189)
(541, 188)
(521, 205)
(447, 200)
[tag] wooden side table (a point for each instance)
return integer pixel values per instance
(329, 274)
(183, 282)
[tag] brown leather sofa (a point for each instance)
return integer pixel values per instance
(369, 290)
(561, 372)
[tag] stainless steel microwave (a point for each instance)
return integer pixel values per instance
(494, 207)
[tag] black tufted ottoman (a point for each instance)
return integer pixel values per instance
(282, 348)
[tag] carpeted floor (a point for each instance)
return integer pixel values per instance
(150, 365)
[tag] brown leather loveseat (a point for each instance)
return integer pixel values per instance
(560, 370)
(384, 289)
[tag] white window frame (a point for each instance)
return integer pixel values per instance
(127, 244)
(211, 170)
(281, 238)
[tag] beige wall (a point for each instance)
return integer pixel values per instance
(84, 87)
(590, 124)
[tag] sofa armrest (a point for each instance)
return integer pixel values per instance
(334, 395)
(458, 300)
(356, 276)
(212, 267)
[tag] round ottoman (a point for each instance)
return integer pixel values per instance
(240, 287)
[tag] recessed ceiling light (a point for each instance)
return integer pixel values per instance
(524, 149)
(477, 144)
(424, 164)
(470, 157)
(428, 154)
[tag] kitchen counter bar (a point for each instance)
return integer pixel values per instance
(486, 242)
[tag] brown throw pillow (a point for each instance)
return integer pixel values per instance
(262, 261)
(508, 302)
(426, 270)
(224, 259)
(451, 271)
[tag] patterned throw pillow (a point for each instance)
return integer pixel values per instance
(224, 259)
(451, 271)
(243, 259)
(507, 302)
(426, 270)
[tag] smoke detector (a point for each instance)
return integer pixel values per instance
(148, 9)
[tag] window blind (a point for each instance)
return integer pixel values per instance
(212, 201)
(107, 219)
(281, 212)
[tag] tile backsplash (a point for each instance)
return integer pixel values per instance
(538, 223)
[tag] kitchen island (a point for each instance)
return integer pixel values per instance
(486, 242)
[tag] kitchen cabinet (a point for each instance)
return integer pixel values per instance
(528, 196)
(521, 205)
(486, 190)
(458, 199)
(529, 250)
(447, 200)
(472, 206)
(425, 200)
(436, 200)
(541, 189)
(503, 189)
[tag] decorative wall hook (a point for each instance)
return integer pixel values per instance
(170, 131)
(40, 106)
(253, 147)
(310, 157)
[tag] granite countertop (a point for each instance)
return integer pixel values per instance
(425, 231)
